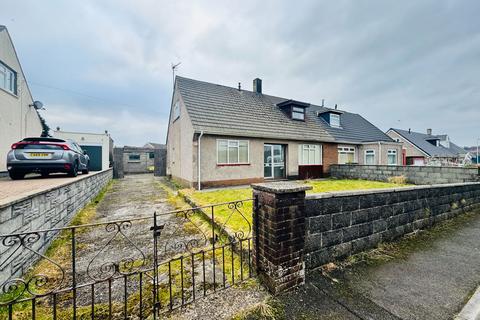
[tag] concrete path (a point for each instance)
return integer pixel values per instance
(432, 278)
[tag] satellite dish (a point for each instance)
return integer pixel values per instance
(38, 105)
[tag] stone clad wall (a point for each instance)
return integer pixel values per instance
(341, 224)
(414, 174)
(53, 208)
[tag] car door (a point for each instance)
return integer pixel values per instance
(81, 156)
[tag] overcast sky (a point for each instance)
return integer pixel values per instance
(106, 65)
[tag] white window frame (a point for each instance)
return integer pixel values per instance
(8, 79)
(230, 141)
(392, 152)
(310, 146)
(298, 111)
(176, 110)
(369, 152)
(347, 149)
(337, 120)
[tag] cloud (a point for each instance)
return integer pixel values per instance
(407, 64)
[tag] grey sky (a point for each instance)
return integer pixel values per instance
(412, 64)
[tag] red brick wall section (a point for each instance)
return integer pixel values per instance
(330, 156)
(279, 235)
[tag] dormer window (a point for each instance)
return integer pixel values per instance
(332, 117)
(335, 120)
(294, 109)
(298, 113)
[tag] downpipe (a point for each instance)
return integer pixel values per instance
(199, 187)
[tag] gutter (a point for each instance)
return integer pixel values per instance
(199, 187)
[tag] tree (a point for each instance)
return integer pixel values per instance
(45, 127)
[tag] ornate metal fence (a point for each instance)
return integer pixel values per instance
(126, 269)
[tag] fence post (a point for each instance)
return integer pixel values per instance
(279, 234)
(118, 163)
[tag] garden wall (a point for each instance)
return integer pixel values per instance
(52, 208)
(341, 224)
(414, 174)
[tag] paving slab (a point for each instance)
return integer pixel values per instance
(431, 281)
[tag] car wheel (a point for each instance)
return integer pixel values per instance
(16, 175)
(74, 170)
(44, 174)
(85, 171)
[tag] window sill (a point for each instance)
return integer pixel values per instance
(232, 164)
(10, 93)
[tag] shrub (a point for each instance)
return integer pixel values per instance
(398, 180)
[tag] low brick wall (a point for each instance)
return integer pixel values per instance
(341, 224)
(414, 174)
(52, 208)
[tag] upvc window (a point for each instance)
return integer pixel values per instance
(176, 111)
(298, 113)
(334, 120)
(392, 157)
(310, 154)
(8, 79)
(232, 151)
(346, 155)
(134, 157)
(369, 157)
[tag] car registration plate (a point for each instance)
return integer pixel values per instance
(40, 155)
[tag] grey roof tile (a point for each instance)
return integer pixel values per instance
(218, 109)
(420, 141)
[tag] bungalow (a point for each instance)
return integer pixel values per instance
(427, 149)
(219, 135)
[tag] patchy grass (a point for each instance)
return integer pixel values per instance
(269, 309)
(332, 185)
(232, 217)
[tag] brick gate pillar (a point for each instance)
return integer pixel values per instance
(279, 234)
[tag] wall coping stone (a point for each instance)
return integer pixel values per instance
(397, 166)
(58, 186)
(281, 187)
(384, 190)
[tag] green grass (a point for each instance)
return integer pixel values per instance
(235, 222)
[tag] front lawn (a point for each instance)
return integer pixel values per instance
(232, 217)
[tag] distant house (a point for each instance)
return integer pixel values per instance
(18, 116)
(219, 135)
(153, 145)
(428, 149)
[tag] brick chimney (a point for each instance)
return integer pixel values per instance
(257, 85)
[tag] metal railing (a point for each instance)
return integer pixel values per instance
(126, 268)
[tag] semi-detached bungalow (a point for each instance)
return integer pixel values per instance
(219, 135)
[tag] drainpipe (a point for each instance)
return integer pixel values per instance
(379, 153)
(198, 160)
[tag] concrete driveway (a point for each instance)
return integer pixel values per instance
(11, 190)
(430, 276)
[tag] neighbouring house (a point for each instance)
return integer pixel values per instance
(140, 159)
(219, 135)
(98, 146)
(422, 149)
(18, 115)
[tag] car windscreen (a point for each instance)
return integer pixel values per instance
(39, 146)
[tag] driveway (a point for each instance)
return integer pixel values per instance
(430, 276)
(11, 190)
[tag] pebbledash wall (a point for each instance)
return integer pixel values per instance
(414, 174)
(52, 208)
(295, 233)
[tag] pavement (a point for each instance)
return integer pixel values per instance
(12, 190)
(433, 277)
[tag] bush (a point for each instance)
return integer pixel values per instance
(398, 180)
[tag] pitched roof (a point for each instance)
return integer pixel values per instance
(218, 109)
(154, 145)
(420, 141)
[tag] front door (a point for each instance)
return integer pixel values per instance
(274, 161)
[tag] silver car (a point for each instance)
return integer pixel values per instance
(44, 156)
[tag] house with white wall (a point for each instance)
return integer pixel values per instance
(18, 116)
